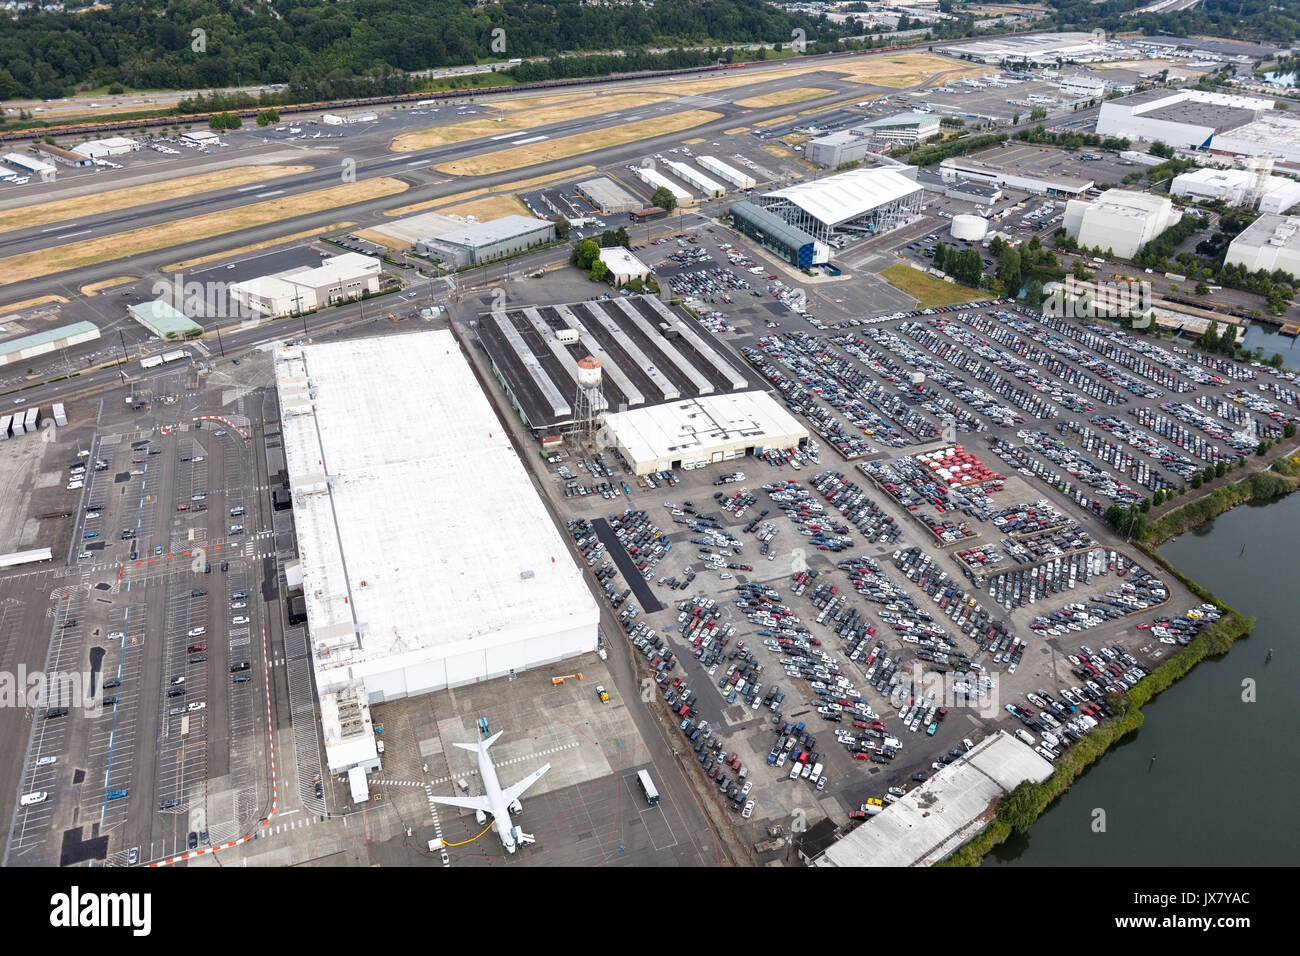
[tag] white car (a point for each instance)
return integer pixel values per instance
(749, 785)
(239, 620)
(196, 632)
(748, 811)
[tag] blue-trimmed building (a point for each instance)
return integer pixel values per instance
(776, 235)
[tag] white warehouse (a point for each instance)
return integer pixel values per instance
(428, 559)
(654, 180)
(729, 173)
(695, 178)
(1268, 243)
(1120, 220)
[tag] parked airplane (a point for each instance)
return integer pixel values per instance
(496, 801)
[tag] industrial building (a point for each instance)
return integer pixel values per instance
(1083, 87)
(623, 266)
(109, 146)
(960, 168)
(860, 202)
(1218, 122)
(984, 194)
(337, 279)
(200, 137)
(64, 157)
(937, 817)
(1120, 220)
(485, 241)
(7, 175)
(40, 343)
(343, 119)
(648, 354)
(655, 180)
(835, 149)
(164, 321)
(1239, 187)
(693, 177)
(607, 196)
(696, 432)
(901, 128)
(428, 559)
(727, 172)
(31, 166)
(1270, 242)
(1044, 48)
(776, 235)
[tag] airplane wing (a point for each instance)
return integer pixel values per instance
(512, 794)
(469, 803)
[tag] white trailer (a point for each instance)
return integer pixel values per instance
(153, 361)
(360, 789)
(60, 414)
(175, 355)
(31, 419)
(6, 422)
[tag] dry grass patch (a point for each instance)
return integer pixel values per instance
(492, 207)
(60, 209)
(522, 121)
(95, 287)
(75, 255)
(734, 130)
(902, 70)
(12, 308)
(523, 156)
(518, 184)
(782, 97)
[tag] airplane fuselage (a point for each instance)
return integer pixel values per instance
(500, 812)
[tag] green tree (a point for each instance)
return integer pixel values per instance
(1220, 468)
(623, 238)
(1288, 430)
(1196, 480)
(1008, 271)
(663, 198)
(1146, 505)
(1210, 337)
(940, 256)
(1078, 270)
(599, 271)
(1276, 360)
(588, 251)
(562, 228)
(1202, 289)
(1207, 473)
(1034, 294)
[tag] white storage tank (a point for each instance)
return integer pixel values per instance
(970, 228)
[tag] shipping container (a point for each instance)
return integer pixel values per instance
(60, 414)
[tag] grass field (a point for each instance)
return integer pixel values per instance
(491, 207)
(74, 255)
(902, 70)
(94, 288)
(927, 290)
(8, 310)
(257, 246)
(533, 102)
(523, 156)
(109, 200)
(734, 130)
(782, 97)
(522, 121)
(775, 121)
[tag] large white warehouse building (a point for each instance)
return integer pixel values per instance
(428, 559)
(1268, 243)
(1119, 219)
(1219, 122)
(1236, 187)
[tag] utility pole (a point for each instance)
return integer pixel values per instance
(221, 345)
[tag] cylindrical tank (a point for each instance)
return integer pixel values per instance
(970, 228)
(589, 372)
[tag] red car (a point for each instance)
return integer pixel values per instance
(197, 647)
(858, 814)
(182, 507)
(861, 756)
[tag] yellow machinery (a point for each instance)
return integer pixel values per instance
(561, 680)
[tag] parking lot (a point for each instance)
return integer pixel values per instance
(163, 747)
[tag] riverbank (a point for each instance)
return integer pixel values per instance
(1018, 810)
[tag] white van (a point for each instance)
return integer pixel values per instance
(816, 773)
(796, 769)
(36, 796)
(1025, 736)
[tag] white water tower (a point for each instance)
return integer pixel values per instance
(590, 399)
(1261, 169)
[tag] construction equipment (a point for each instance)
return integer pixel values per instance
(602, 693)
(561, 680)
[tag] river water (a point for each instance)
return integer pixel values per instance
(1222, 789)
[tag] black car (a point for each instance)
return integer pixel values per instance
(225, 565)
(242, 678)
(114, 682)
(919, 777)
(198, 592)
(110, 701)
(176, 692)
(193, 841)
(169, 804)
(240, 666)
(56, 712)
(198, 658)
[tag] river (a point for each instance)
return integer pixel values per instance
(1221, 790)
